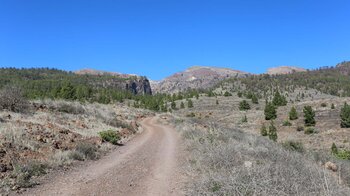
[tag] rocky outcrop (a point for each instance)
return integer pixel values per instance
(197, 77)
(284, 70)
(139, 85)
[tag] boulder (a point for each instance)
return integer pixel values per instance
(331, 166)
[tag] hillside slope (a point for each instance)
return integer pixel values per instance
(196, 77)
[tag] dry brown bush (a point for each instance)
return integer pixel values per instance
(12, 99)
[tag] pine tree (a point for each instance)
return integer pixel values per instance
(263, 130)
(332, 106)
(173, 105)
(270, 111)
(255, 99)
(309, 116)
(293, 114)
(189, 103)
(244, 119)
(279, 100)
(67, 91)
(244, 105)
(334, 149)
(345, 116)
(182, 105)
(272, 132)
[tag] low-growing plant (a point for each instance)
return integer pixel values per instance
(293, 146)
(272, 132)
(332, 106)
(300, 128)
(110, 136)
(24, 173)
(334, 149)
(244, 119)
(191, 115)
(88, 150)
(263, 130)
(309, 130)
(70, 108)
(286, 123)
(323, 105)
(343, 154)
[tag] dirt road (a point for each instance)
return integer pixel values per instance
(147, 165)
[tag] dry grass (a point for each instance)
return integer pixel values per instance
(230, 162)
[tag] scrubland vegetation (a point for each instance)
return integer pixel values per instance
(225, 161)
(39, 136)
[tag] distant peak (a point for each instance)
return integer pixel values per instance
(284, 70)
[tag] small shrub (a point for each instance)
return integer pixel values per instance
(293, 114)
(332, 106)
(263, 130)
(345, 116)
(323, 105)
(227, 94)
(309, 116)
(70, 108)
(300, 128)
(293, 146)
(244, 119)
(343, 154)
(191, 115)
(75, 155)
(270, 112)
(244, 105)
(23, 173)
(110, 136)
(89, 151)
(334, 149)
(272, 132)
(287, 123)
(309, 131)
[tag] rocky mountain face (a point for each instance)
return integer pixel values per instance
(284, 70)
(138, 85)
(197, 77)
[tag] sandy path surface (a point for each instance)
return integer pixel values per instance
(147, 165)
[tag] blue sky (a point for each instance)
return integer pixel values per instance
(158, 38)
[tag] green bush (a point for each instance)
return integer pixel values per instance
(334, 149)
(293, 146)
(309, 131)
(287, 123)
(343, 154)
(263, 130)
(227, 94)
(272, 132)
(244, 105)
(323, 105)
(110, 136)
